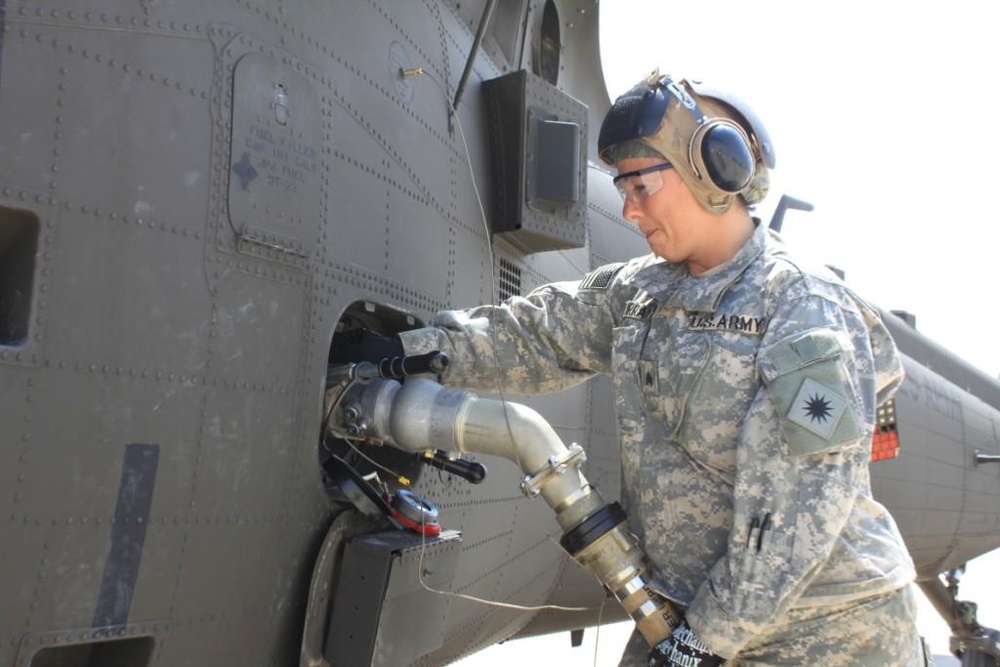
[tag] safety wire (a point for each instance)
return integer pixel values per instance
(492, 603)
(493, 282)
(597, 632)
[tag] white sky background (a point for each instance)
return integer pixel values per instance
(883, 115)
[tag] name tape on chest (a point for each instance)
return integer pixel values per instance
(640, 308)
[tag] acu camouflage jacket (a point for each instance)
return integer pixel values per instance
(745, 400)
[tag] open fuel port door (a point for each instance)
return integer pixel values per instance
(381, 612)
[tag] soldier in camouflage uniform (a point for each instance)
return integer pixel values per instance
(746, 386)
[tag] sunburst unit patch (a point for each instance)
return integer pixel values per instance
(817, 408)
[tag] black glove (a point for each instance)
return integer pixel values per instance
(364, 345)
(683, 648)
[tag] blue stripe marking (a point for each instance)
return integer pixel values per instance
(3, 24)
(128, 534)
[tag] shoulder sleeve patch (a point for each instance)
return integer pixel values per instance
(600, 279)
(808, 383)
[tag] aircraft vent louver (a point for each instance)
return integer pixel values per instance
(509, 279)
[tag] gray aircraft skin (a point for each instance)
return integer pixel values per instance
(194, 198)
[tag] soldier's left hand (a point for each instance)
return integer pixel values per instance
(683, 649)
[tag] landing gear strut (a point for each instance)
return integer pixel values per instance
(975, 644)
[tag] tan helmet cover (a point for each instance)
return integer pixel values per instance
(689, 116)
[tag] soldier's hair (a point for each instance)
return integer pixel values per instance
(631, 148)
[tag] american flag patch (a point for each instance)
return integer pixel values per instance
(601, 278)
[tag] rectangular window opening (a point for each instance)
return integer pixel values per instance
(131, 652)
(18, 246)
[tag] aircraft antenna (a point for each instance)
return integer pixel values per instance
(476, 43)
(784, 204)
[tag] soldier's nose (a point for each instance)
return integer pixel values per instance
(631, 211)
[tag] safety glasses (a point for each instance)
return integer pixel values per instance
(636, 186)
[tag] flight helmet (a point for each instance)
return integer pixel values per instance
(714, 141)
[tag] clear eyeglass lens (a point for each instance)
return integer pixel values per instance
(640, 186)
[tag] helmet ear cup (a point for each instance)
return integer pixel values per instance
(720, 151)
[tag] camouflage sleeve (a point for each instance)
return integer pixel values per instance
(554, 338)
(801, 463)
(888, 365)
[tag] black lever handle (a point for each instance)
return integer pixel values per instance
(470, 471)
(397, 368)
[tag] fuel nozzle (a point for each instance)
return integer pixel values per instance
(420, 415)
(602, 545)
